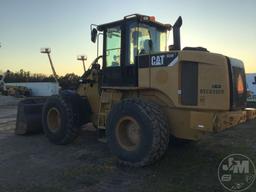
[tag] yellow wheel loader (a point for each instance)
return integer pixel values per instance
(147, 92)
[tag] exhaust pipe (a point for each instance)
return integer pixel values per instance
(176, 34)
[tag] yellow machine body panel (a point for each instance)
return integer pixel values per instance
(213, 80)
(210, 111)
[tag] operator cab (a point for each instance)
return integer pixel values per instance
(124, 41)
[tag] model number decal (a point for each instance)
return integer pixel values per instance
(211, 91)
(215, 89)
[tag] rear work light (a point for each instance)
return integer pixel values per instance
(152, 18)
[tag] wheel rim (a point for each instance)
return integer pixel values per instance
(53, 119)
(128, 133)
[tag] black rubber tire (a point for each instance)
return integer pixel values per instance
(70, 108)
(79, 104)
(154, 132)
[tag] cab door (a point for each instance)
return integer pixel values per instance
(118, 69)
(112, 55)
(130, 66)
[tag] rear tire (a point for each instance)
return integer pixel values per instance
(151, 140)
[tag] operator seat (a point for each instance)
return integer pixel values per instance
(147, 47)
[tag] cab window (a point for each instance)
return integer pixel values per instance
(113, 47)
(146, 39)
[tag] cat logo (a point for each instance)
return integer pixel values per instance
(240, 85)
(157, 60)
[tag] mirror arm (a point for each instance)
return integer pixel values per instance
(93, 26)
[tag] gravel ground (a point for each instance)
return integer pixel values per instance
(32, 164)
(8, 100)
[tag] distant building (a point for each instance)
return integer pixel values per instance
(251, 82)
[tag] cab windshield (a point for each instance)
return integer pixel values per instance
(145, 39)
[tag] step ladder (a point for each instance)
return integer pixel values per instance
(107, 99)
(105, 105)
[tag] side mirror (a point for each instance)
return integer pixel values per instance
(94, 35)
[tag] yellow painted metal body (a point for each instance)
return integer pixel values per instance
(212, 69)
(162, 85)
(250, 113)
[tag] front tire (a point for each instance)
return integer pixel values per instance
(63, 116)
(137, 132)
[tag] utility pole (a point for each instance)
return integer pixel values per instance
(82, 58)
(48, 51)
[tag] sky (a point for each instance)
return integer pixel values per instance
(227, 27)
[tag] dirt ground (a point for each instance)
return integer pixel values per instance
(32, 164)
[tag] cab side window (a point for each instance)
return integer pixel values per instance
(145, 39)
(113, 47)
(139, 38)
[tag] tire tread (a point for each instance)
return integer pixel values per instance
(160, 131)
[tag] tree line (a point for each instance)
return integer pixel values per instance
(67, 81)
